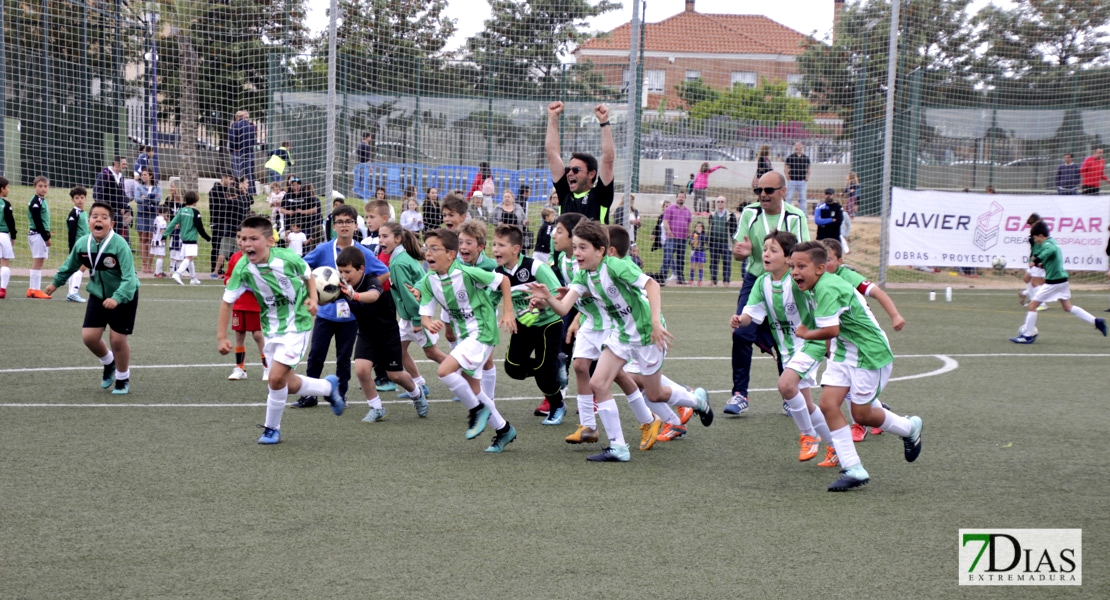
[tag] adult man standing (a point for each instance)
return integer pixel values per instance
(1067, 177)
(722, 224)
(365, 151)
(241, 141)
(634, 216)
(219, 219)
(756, 221)
(237, 205)
(676, 225)
(1093, 173)
(797, 175)
(584, 186)
(108, 189)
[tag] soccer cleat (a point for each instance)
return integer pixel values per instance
(737, 405)
(785, 409)
(671, 432)
(269, 436)
(543, 409)
(304, 402)
(38, 295)
(3, 292)
(423, 390)
(421, 405)
(831, 458)
(684, 413)
(808, 450)
(194, 281)
(385, 385)
(1100, 324)
(614, 453)
(649, 432)
(859, 432)
(75, 298)
(237, 373)
(476, 421)
(502, 439)
(1024, 339)
(876, 431)
(850, 479)
(375, 415)
(335, 399)
(912, 442)
(123, 387)
(555, 417)
(584, 435)
(703, 409)
(177, 277)
(109, 375)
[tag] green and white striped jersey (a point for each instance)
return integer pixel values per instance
(279, 286)
(567, 267)
(788, 307)
(617, 289)
(464, 292)
(861, 342)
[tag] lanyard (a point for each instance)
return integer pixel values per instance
(103, 245)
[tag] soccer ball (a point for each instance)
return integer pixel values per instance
(998, 262)
(327, 284)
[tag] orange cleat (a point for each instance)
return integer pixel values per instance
(584, 435)
(671, 432)
(648, 433)
(38, 294)
(831, 459)
(858, 432)
(876, 431)
(808, 445)
(684, 413)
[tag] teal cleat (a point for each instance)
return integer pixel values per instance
(614, 453)
(477, 421)
(270, 436)
(912, 442)
(123, 387)
(705, 412)
(375, 415)
(109, 376)
(502, 438)
(850, 479)
(555, 417)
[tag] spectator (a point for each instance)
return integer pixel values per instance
(145, 161)
(379, 194)
(553, 201)
(365, 151)
(147, 196)
(1093, 173)
(278, 162)
(634, 220)
(276, 195)
(829, 216)
(658, 236)
(510, 213)
(797, 176)
(411, 218)
(300, 206)
(676, 224)
(241, 140)
(1067, 177)
(109, 189)
(701, 183)
(722, 224)
(762, 163)
(690, 185)
(851, 195)
(433, 215)
(522, 194)
(483, 182)
(219, 208)
(478, 208)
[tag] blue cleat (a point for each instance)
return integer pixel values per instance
(1024, 339)
(555, 417)
(737, 405)
(109, 376)
(614, 453)
(502, 438)
(850, 479)
(912, 442)
(1100, 324)
(477, 421)
(269, 436)
(338, 404)
(375, 415)
(703, 409)
(123, 387)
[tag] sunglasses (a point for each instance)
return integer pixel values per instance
(759, 191)
(577, 170)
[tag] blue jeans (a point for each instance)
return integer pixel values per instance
(674, 256)
(798, 189)
(344, 333)
(242, 163)
(742, 340)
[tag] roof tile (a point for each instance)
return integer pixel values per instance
(718, 34)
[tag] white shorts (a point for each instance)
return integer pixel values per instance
(1050, 292)
(423, 337)
(588, 343)
(39, 249)
(806, 368)
(158, 250)
(6, 246)
(188, 250)
(177, 255)
(1037, 272)
(287, 349)
(471, 354)
(648, 359)
(864, 385)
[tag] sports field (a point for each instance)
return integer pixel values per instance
(164, 493)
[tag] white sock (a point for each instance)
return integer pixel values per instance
(665, 412)
(1087, 317)
(667, 381)
(611, 419)
(461, 388)
(123, 375)
(820, 426)
(314, 387)
(681, 397)
(275, 405)
(158, 264)
(192, 270)
(896, 424)
(107, 359)
(36, 280)
(5, 277)
(800, 414)
(489, 382)
(495, 417)
(75, 282)
(419, 381)
(375, 402)
(845, 448)
(640, 408)
(183, 266)
(1030, 320)
(586, 410)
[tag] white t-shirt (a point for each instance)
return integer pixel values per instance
(159, 229)
(296, 241)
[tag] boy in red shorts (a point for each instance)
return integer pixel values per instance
(245, 318)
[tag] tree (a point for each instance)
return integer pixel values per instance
(769, 103)
(695, 92)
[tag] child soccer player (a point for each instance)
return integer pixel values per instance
(565, 267)
(472, 253)
(860, 362)
(405, 272)
(78, 225)
(697, 253)
(7, 234)
(379, 340)
(775, 295)
(38, 238)
(454, 211)
(463, 292)
(245, 318)
(377, 215)
(296, 239)
(542, 252)
(158, 243)
(1034, 273)
(113, 295)
(630, 310)
(1055, 286)
(534, 347)
(282, 283)
(189, 221)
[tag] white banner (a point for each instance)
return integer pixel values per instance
(955, 229)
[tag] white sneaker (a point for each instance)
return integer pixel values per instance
(195, 281)
(177, 277)
(237, 374)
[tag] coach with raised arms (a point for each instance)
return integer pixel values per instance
(584, 186)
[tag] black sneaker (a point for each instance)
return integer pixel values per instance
(109, 376)
(304, 402)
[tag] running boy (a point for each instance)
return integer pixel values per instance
(38, 212)
(245, 318)
(377, 215)
(189, 221)
(472, 253)
(7, 234)
(113, 295)
(158, 242)
(860, 362)
(1055, 286)
(462, 291)
(78, 225)
(282, 283)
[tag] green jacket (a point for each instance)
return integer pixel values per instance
(113, 276)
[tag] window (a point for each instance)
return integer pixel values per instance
(744, 78)
(792, 83)
(655, 80)
(692, 75)
(624, 80)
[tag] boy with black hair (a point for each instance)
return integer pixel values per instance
(462, 291)
(542, 251)
(564, 265)
(246, 317)
(38, 212)
(113, 295)
(1055, 287)
(189, 221)
(77, 222)
(7, 234)
(454, 211)
(157, 242)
